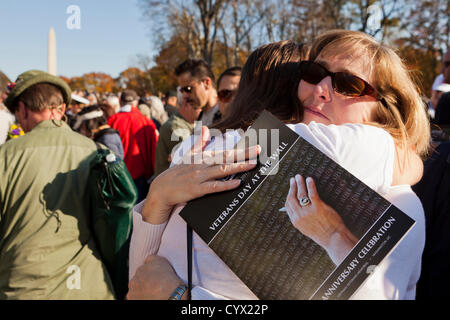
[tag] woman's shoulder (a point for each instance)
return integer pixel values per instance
(366, 151)
(336, 139)
(343, 130)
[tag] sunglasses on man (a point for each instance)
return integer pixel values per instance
(344, 83)
(226, 95)
(188, 89)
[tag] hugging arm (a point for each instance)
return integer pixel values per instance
(175, 186)
(178, 185)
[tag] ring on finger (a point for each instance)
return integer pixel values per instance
(304, 201)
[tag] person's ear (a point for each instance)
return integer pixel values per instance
(22, 110)
(208, 83)
(60, 112)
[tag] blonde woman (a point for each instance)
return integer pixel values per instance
(352, 78)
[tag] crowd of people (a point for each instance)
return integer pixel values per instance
(345, 93)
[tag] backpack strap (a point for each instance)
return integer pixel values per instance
(189, 259)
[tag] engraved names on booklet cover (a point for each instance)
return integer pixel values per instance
(259, 243)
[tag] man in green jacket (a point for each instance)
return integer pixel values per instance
(47, 250)
(179, 127)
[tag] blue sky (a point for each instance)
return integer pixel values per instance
(112, 34)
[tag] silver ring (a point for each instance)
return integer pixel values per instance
(304, 201)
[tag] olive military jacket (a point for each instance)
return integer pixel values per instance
(46, 248)
(171, 133)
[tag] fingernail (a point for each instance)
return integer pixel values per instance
(309, 180)
(292, 181)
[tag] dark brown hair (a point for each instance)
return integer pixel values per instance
(269, 82)
(198, 69)
(42, 96)
(233, 72)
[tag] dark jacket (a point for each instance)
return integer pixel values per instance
(442, 116)
(434, 192)
(111, 139)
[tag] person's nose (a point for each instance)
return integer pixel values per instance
(323, 90)
(185, 96)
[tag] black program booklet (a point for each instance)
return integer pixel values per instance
(258, 242)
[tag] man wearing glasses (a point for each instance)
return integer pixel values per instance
(227, 85)
(198, 103)
(196, 82)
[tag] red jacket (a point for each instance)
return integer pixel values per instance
(139, 139)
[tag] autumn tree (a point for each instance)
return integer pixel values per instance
(225, 32)
(426, 29)
(99, 82)
(427, 24)
(135, 79)
(236, 26)
(421, 63)
(170, 56)
(174, 52)
(93, 82)
(195, 22)
(144, 63)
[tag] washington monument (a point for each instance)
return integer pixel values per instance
(52, 52)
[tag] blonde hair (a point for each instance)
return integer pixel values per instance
(400, 110)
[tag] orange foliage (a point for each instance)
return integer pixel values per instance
(423, 63)
(137, 80)
(93, 82)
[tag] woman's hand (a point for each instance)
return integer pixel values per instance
(184, 182)
(317, 220)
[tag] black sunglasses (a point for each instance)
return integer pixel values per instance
(188, 89)
(226, 95)
(344, 83)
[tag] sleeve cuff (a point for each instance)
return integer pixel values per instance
(145, 239)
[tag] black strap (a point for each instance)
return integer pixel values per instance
(99, 147)
(189, 259)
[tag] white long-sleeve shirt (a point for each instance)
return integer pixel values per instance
(365, 151)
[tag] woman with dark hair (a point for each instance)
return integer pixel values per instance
(91, 122)
(273, 65)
